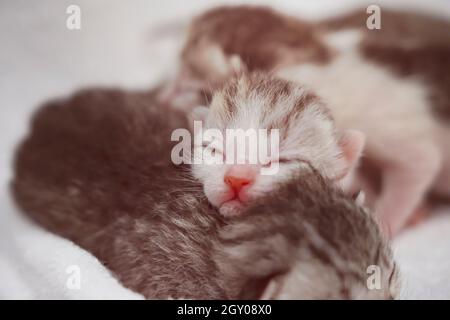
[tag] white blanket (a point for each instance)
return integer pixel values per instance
(122, 43)
(35, 264)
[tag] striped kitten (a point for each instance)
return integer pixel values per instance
(328, 243)
(95, 169)
(307, 134)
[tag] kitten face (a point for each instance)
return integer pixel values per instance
(309, 279)
(258, 101)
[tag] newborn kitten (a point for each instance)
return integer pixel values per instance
(95, 169)
(321, 233)
(227, 40)
(387, 83)
(250, 37)
(306, 132)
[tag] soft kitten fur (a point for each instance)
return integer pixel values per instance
(306, 130)
(386, 83)
(95, 169)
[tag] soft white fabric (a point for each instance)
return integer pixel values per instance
(132, 44)
(35, 264)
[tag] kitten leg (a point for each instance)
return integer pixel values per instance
(406, 178)
(420, 214)
(442, 184)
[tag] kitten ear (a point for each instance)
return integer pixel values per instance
(216, 61)
(273, 288)
(352, 145)
(237, 66)
(265, 288)
(197, 114)
(219, 64)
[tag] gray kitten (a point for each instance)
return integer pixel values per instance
(95, 169)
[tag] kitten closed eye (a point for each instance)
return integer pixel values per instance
(285, 161)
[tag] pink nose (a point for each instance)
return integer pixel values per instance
(236, 183)
(239, 176)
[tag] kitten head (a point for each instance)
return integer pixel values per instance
(227, 40)
(259, 131)
(306, 240)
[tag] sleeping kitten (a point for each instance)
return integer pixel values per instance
(307, 135)
(321, 234)
(227, 40)
(95, 169)
(386, 83)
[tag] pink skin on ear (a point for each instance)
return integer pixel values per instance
(352, 145)
(404, 181)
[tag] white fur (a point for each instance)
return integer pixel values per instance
(366, 96)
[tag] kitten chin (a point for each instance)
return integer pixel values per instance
(232, 208)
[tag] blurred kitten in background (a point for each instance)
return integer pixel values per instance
(390, 84)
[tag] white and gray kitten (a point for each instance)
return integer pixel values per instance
(306, 134)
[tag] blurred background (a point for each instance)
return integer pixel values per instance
(134, 44)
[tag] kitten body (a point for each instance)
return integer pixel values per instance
(95, 169)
